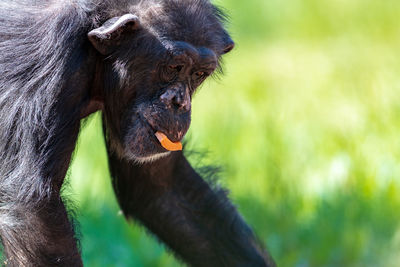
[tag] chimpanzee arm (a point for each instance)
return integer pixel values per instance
(175, 203)
(34, 226)
(39, 235)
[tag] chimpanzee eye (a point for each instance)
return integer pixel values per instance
(199, 75)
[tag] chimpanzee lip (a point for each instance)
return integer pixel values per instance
(152, 130)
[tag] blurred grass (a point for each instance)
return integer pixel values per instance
(305, 123)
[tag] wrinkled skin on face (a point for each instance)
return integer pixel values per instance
(157, 70)
(168, 108)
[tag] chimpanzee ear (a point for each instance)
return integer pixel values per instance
(107, 37)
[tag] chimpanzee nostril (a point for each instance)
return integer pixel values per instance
(176, 98)
(180, 102)
(177, 103)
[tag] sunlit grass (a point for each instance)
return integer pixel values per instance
(305, 124)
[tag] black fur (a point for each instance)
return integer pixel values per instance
(52, 75)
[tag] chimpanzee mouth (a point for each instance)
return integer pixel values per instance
(153, 131)
(140, 142)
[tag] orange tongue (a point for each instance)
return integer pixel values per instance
(168, 144)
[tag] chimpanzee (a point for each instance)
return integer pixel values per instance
(139, 62)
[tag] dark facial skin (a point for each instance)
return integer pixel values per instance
(157, 81)
(168, 108)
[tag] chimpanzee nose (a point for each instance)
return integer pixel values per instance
(177, 98)
(181, 102)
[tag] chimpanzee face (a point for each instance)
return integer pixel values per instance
(150, 75)
(162, 97)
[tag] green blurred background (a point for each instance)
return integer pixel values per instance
(305, 123)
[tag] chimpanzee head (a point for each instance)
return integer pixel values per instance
(152, 59)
